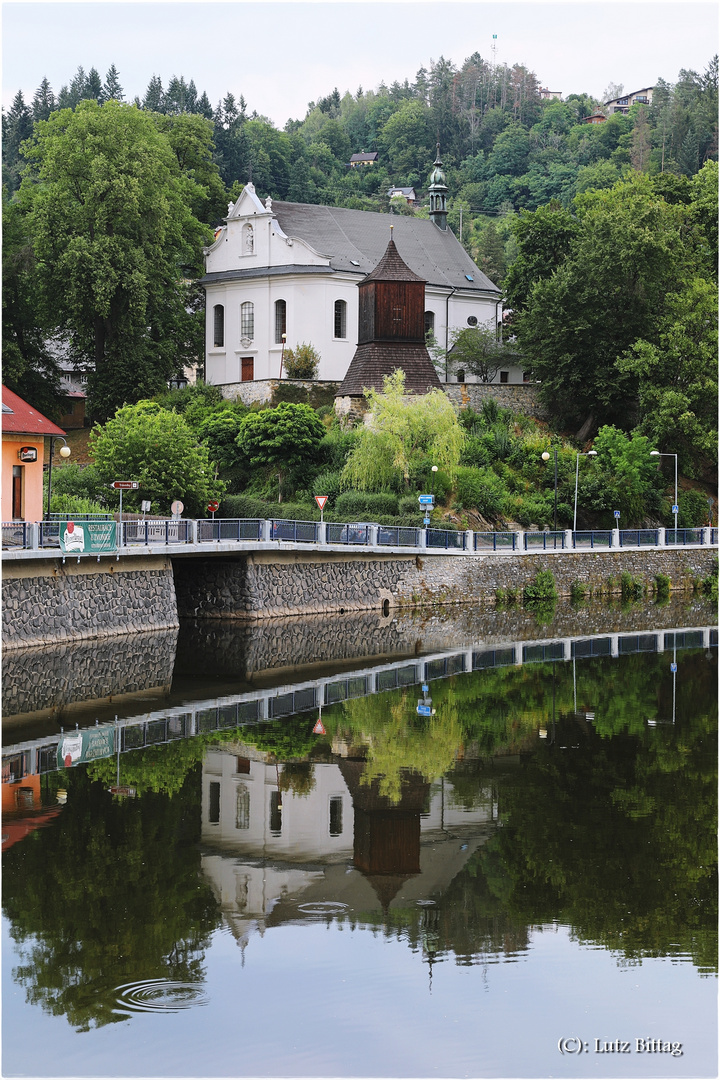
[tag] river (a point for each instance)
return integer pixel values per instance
(442, 844)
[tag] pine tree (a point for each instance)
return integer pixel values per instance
(93, 85)
(154, 99)
(43, 102)
(17, 127)
(112, 90)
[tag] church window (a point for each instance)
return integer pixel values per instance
(247, 320)
(340, 319)
(429, 322)
(219, 326)
(280, 320)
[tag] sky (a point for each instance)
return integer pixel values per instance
(281, 55)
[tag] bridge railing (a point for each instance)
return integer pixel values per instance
(545, 541)
(228, 529)
(494, 541)
(593, 538)
(639, 537)
(135, 533)
(685, 537)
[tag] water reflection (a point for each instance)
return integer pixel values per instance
(547, 784)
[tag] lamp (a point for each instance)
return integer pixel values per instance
(282, 353)
(546, 457)
(64, 453)
(590, 453)
(656, 453)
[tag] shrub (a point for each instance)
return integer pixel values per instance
(693, 507)
(74, 505)
(362, 504)
(577, 591)
(302, 362)
(662, 586)
(479, 490)
(328, 483)
(630, 588)
(475, 452)
(542, 587)
(80, 481)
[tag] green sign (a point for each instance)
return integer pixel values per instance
(80, 537)
(88, 745)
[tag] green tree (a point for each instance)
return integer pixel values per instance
(147, 443)
(302, 362)
(115, 240)
(285, 438)
(477, 350)
(544, 240)
(624, 477)
(402, 432)
(678, 378)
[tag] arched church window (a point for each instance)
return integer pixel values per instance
(247, 321)
(280, 321)
(219, 326)
(429, 322)
(340, 319)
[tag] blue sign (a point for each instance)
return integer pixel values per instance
(426, 521)
(426, 500)
(676, 509)
(424, 710)
(424, 688)
(617, 513)
(673, 668)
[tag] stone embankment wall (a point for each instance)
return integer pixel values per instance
(517, 397)
(54, 602)
(269, 584)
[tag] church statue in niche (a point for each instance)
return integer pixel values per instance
(248, 239)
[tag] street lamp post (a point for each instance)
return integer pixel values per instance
(546, 457)
(64, 453)
(656, 453)
(590, 453)
(282, 353)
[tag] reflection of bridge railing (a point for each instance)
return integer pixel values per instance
(242, 710)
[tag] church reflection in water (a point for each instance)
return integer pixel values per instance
(283, 843)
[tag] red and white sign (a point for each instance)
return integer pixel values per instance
(319, 728)
(321, 500)
(213, 506)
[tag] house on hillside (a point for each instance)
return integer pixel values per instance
(594, 118)
(406, 193)
(281, 273)
(623, 104)
(549, 95)
(24, 430)
(362, 159)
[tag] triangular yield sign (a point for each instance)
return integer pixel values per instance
(321, 500)
(319, 728)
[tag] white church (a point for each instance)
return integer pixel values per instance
(279, 274)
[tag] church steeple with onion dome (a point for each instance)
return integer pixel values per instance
(438, 193)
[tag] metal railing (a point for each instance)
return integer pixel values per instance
(639, 537)
(228, 529)
(23, 535)
(445, 538)
(684, 537)
(398, 536)
(593, 538)
(494, 541)
(305, 532)
(348, 534)
(535, 541)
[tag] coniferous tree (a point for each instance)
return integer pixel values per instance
(43, 102)
(112, 90)
(154, 99)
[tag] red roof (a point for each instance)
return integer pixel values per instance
(23, 419)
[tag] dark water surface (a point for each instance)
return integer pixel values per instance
(310, 865)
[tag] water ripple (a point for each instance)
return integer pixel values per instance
(323, 907)
(160, 995)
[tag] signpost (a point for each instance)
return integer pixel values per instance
(321, 500)
(177, 508)
(319, 728)
(426, 501)
(123, 485)
(213, 505)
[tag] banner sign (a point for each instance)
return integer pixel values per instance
(78, 537)
(88, 745)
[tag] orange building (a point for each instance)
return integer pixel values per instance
(24, 431)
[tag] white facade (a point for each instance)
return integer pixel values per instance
(260, 282)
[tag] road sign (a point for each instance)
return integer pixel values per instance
(425, 688)
(673, 668)
(617, 513)
(177, 508)
(319, 728)
(676, 508)
(426, 521)
(321, 500)
(424, 710)
(145, 506)
(426, 500)
(125, 485)
(213, 505)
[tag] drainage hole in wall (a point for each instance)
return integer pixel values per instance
(386, 607)
(342, 610)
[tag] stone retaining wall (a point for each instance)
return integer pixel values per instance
(269, 584)
(518, 397)
(45, 603)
